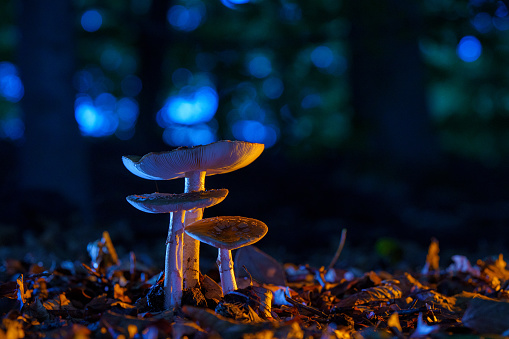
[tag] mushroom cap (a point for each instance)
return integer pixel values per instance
(227, 232)
(218, 157)
(166, 203)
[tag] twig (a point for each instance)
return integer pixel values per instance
(249, 274)
(340, 248)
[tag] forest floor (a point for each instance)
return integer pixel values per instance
(388, 282)
(107, 297)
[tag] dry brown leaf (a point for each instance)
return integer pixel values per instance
(230, 329)
(372, 294)
(58, 303)
(432, 259)
(211, 289)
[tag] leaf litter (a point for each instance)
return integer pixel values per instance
(112, 298)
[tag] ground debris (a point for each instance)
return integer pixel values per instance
(110, 300)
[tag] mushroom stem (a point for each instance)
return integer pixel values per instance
(173, 279)
(194, 182)
(225, 265)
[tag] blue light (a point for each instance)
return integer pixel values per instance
(11, 87)
(501, 23)
(501, 9)
(254, 131)
(195, 107)
(12, 128)
(469, 49)
(88, 118)
(233, 4)
(7, 68)
(91, 20)
(273, 88)
(200, 134)
(260, 66)
(106, 102)
(186, 19)
(96, 118)
(482, 22)
(322, 57)
(127, 110)
(311, 101)
(251, 110)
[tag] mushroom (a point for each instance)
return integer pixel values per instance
(227, 234)
(176, 205)
(193, 164)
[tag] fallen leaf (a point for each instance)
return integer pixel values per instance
(423, 329)
(372, 294)
(211, 289)
(487, 316)
(432, 259)
(262, 267)
(230, 329)
(393, 321)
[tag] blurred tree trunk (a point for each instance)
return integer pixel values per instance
(154, 42)
(52, 158)
(388, 89)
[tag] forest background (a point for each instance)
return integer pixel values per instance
(388, 118)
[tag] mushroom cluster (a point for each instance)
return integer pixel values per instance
(186, 209)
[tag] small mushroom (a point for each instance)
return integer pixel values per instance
(176, 205)
(227, 234)
(193, 164)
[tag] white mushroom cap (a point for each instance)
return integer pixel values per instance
(227, 232)
(166, 203)
(219, 157)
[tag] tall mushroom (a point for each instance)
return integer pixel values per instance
(227, 234)
(193, 164)
(176, 205)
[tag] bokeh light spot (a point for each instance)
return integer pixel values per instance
(12, 128)
(11, 87)
(255, 131)
(501, 10)
(259, 66)
(322, 56)
(273, 88)
(469, 49)
(186, 19)
(197, 106)
(91, 20)
(311, 101)
(233, 4)
(501, 23)
(179, 135)
(482, 22)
